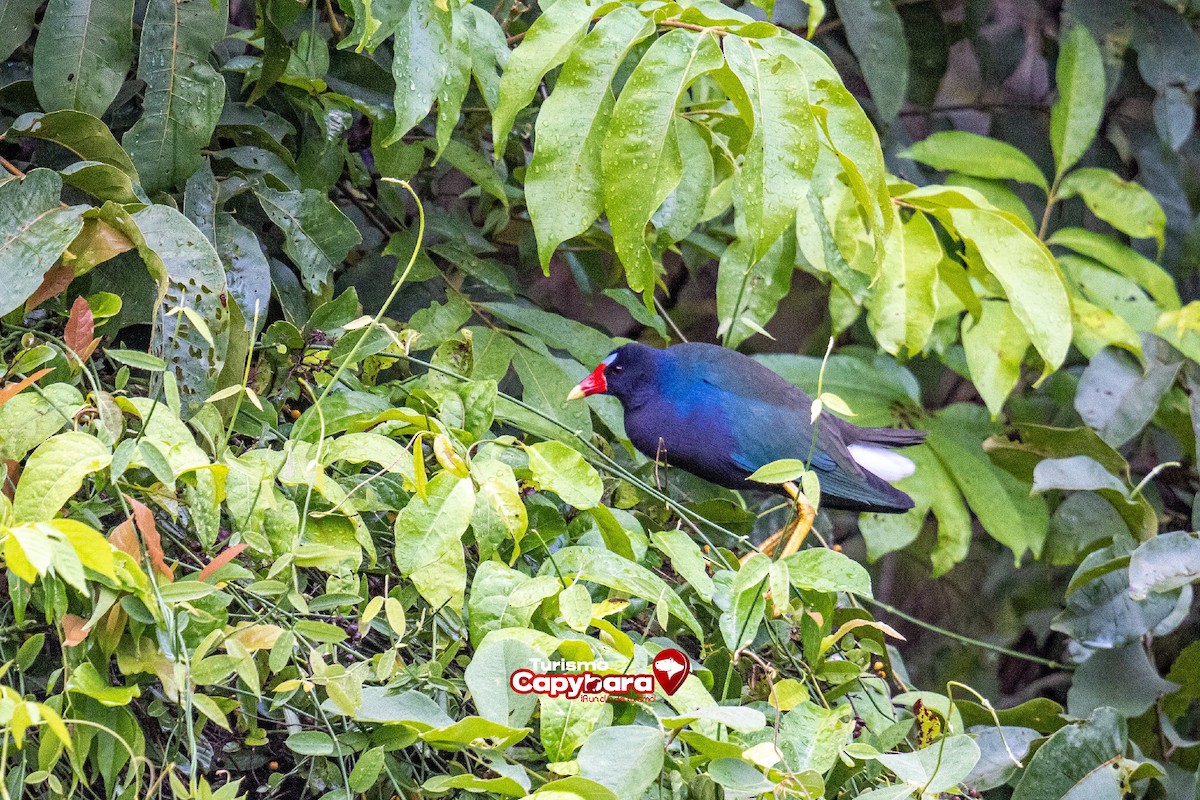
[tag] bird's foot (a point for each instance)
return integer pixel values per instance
(794, 532)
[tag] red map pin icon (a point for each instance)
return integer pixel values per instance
(671, 668)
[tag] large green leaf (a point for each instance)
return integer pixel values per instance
(972, 154)
(191, 318)
(626, 759)
(1006, 512)
(1030, 277)
(1166, 562)
(423, 35)
(995, 346)
(903, 305)
(563, 185)
(1117, 397)
(1125, 205)
(35, 229)
(549, 41)
(429, 533)
(748, 292)
(81, 63)
(877, 38)
(562, 470)
(1120, 258)
(608, 569)
(184, 94)
(1072, 754)
(16, 23)
(641, 163)
(782, 150)
(317, 235)
(1076, 114)
(55, 472)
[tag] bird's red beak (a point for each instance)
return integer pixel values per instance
(592, 384)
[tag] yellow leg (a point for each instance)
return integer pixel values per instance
(795, 530)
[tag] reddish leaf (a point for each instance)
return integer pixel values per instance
(227, 555)
(144, 518)
(13, 389)
(55, 282)
(124, 538)
(11, 474)
(75, 629)
(81, 328)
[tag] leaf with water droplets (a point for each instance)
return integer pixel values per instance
(549, 41)
(423, 35)
(782, 151)
(184, 94)
(563, 185)
(80, 60)
(640, 158)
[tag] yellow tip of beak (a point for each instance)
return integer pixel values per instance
(576, 394)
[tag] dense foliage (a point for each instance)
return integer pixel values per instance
(293, 293)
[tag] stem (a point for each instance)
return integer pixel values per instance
(958, 637)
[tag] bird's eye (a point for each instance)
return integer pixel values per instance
(617, 369)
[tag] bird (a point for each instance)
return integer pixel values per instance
(721, 415)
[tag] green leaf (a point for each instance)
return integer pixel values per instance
(1007, 512)
(1123, 260)
(311, 743)
(877, 38)
(566, 724)
(936, 768)
(782, 150)
(586, 343)
(1027, 272)
(686, 559)
(454, 85)
(137, 359)
(608, 569)
(55, 472)
(189, 276)
(317, 235)
(1075, 117)
(1125, 205)
(1101, 614)
(995, 346)
(499, 515)
(1117, 397)
(504, 598)
(429, 540)
(1071, 755)
(34, 231)
(626, 759)
(549, 42)
(367, 770)
(823, 570)
(81, 133)
(640, 162)
(739, 624)
(563, 185)
(87, 680)
(781, 471)
(903, 305)
(739, 776)
(972, 154)
(422, 38)
(545, 387)
(31, 418)
(562, 470)
(16, 23)
(1166, 562)
(487, 678)
(82, 61)
(1122, 678)
(184, 94)
(748, 294)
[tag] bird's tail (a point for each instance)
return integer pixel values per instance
(888, 437)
